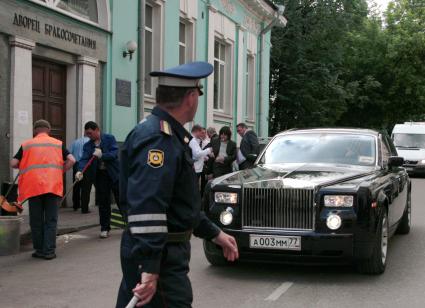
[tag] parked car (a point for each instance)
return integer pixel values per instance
(315, 195)
(409, 139)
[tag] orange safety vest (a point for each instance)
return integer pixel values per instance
(41, 167)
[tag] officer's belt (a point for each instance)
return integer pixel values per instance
(179, 237)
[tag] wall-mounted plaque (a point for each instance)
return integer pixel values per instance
(123, 92)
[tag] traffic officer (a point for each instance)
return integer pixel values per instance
(158, 186)
(42, 161)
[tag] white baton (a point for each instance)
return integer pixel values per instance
(132, 303)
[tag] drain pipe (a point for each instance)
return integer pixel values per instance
(140, 61)
(279, 13)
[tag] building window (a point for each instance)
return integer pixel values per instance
(186, 46)
(182, 43)
(153, 39)
(89, 11)
(250, 87)
(83, 8)
(220, 75)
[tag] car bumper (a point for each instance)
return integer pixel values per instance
(315, 248)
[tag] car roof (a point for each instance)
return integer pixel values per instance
(361, 131)
(409, 128)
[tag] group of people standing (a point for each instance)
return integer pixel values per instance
(214, 154)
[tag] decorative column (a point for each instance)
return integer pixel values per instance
(240, 116)
(20, 92)
(210, 93)
(86, 91)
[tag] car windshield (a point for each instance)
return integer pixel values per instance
(334, 148)
(409, 140)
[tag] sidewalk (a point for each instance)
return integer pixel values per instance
(68, 222)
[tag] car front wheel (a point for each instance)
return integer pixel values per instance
(378, 260)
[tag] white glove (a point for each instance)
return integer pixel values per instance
(98, 153)
(79, 176)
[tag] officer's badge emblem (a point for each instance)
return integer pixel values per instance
(186, 139)
(155, 158)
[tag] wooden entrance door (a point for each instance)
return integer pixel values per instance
(49, 96)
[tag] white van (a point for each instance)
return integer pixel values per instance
(409, 139)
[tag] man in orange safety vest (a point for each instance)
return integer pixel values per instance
(42, 161)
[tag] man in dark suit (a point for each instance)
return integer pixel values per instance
(249, 145)
(224, 151)
(103, 172)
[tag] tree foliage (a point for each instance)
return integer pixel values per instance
(337, 64)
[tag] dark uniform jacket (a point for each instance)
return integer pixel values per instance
(109, 148)
(249, 144)
(159, 188)
(219, 169)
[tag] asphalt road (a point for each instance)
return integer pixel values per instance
(87, 274)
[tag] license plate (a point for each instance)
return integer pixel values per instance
(275, 242)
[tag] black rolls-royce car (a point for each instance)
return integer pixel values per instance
(315, 195)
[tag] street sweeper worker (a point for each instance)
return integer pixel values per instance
(42, 161)
(103, 171)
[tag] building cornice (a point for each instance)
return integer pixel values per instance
(212, 8)
(264, 10)
(21, 42)
(87, 61)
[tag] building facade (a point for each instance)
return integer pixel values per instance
(72, 61)
(53, 55)
(234, 35)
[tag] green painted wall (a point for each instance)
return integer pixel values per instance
(201, 54)
(238, 16)
(171, 33)
(120, 120)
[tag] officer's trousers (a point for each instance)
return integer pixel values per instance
(173, 290)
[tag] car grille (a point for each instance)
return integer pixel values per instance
(279, 208)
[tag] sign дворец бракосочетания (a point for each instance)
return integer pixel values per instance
(54, 31)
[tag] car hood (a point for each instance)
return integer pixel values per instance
(411, 154)
(293, 175)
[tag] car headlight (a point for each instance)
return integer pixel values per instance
(338, 201)
(333, 222)
(226, 217)
(226, 197)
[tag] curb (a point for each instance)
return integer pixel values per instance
(26, 237)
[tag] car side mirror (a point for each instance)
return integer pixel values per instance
(395, 161)
(251, 157)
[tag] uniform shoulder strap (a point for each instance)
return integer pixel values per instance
(165, 127)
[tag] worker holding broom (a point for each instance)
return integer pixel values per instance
(42, 161)
(100, 158)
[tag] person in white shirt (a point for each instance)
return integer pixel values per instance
(199, 155)
(204, 138)
(205, 143)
